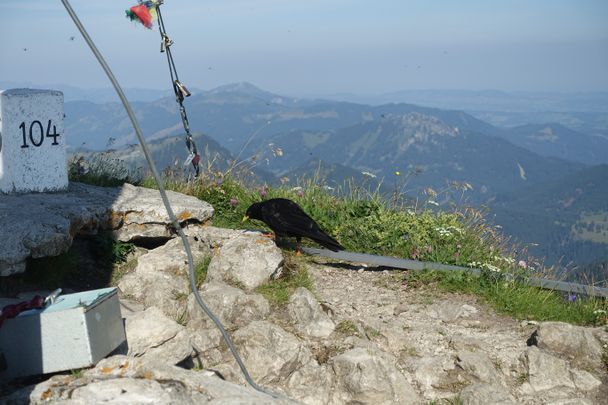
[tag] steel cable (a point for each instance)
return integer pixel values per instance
(165, 199)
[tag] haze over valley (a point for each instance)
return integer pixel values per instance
(544, 184)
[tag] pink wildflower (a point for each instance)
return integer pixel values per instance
(263, 191)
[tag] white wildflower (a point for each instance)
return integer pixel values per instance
(491, 268)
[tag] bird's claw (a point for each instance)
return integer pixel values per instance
(269, 235)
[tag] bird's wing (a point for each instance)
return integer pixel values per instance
(287, 218)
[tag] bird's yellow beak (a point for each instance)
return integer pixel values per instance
(245, 218)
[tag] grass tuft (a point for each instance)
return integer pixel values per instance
(294, 275)
(366, 221)
(347, 327)
(200, 270)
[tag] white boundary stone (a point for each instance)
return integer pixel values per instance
(32, 141)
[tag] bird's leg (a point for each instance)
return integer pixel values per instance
(269, 235)
(298, 247)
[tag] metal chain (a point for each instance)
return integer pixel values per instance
(165, 199)
(179, 89)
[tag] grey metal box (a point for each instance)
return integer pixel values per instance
(76, 331)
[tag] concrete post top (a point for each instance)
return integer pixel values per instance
(33, 149)
(29, 92)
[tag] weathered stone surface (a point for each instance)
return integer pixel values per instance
(396, 344)
(232, 306)
(250, 260)
(128, 380)
(572, 342)
(151, 333)
(280, 360)
(307, 315)
(272, 354)
(585, 381)
(486, 394)
(431, 372)
(51, 220)
(140, 213)
(448, 312)
(131, 390)
(478, 365)
(365, 377)
(312, 384)
(215, 236)
(545, 371)
(572, 401)
(161, 277)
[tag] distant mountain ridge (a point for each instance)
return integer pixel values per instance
(406, 146)
(422, 143)
(567, 214)
(557, 140)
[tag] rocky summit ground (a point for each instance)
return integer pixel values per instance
(358, 335)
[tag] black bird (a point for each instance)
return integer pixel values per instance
(287, 219)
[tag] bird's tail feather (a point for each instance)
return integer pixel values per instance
(329, 243)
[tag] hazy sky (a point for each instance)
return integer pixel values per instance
(317, 47)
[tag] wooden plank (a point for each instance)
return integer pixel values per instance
(416, 265)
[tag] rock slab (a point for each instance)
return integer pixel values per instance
(45, 224)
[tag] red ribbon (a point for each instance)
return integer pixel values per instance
(11, 311)
(143, 14)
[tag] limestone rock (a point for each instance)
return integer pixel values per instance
(365, 377)
(214, 236)
(431, 371)
(486, 394)
(478, 365)
(575, 343)
(307, 315)
(272, 354)
(448, 312)
(131, 390)
(161, 277)
(130, 380)
(139, 212)
(249, 260)
(151, 333)
(585, 381)
(232, 306)
(572, 401)
(545, 371)
(312, 384)
(53, 219)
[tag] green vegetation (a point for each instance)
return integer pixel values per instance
(347, 327)
(111, 249)
(518, 300)
(100, 170)
(76, 373)
(91, 262)
(200, 270)
(294, 275)
(447, 401)
(49, 272)
(365, 221)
